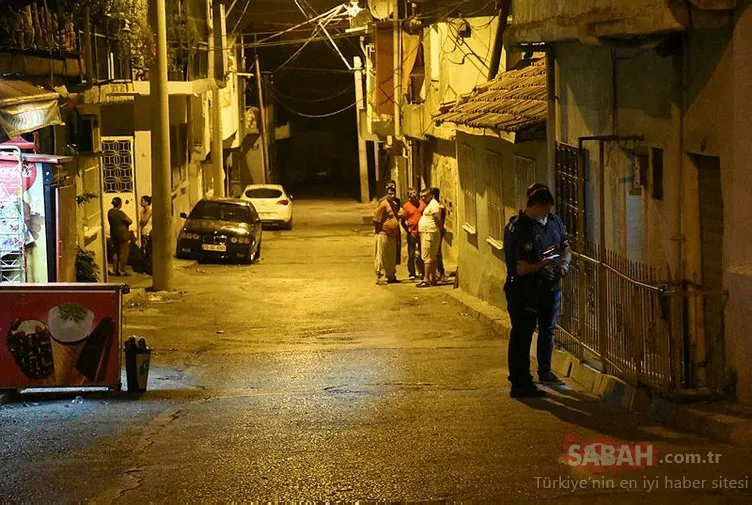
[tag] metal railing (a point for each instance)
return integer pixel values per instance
(616, 313)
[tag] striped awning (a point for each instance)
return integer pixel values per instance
(25, 107)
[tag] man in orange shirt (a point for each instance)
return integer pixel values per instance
(412, 211)
(386, 228)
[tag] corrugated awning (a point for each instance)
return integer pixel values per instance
(25, 107)
(514, 101)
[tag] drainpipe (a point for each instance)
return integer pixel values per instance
(397, 52)
(551, 130)
(677, 124)
(498, 46)
(603, 288)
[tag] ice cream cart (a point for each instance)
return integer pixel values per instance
(60, 335)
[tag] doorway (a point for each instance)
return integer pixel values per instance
(711, 249)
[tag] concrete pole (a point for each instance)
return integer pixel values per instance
(362, 152)
(397, 50)
(163, 240)
(264, 125)
(217, 150)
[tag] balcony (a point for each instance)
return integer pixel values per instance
(110, 59)
(36, 40)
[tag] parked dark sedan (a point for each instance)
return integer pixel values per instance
(221, 229)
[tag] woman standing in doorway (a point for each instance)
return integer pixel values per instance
(146, 231)
(119, 223)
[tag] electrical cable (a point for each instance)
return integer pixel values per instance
(313, 100)
(259, 45)
(240, 18)
(306, 22)
(315, 116)
(300, 50)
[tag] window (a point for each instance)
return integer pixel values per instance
(220, 211)
(495, 207)
(117, 161)
(657, 175)
(179, 153)
(263, 193)
(467, 180)
(524, 176)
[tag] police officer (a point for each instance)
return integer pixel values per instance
(537, 256)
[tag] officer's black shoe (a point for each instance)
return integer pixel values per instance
(527, 392)
(550, 379)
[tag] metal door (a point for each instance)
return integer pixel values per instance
(711, 236)
(118, 178)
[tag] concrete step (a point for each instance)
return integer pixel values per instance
(724, 421)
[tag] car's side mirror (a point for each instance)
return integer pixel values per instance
(184, 215)
(290, 197)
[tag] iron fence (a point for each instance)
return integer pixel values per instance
(616, 313)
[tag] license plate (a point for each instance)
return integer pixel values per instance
(213, 247)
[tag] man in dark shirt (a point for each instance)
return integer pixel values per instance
(537, 256)
(119, 235)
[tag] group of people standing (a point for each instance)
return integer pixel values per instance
(537, 255)
(422, 218)
(122, 238)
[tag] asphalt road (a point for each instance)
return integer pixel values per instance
(298, 378)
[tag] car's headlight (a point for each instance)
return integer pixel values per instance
(246, 241)
(234, 240)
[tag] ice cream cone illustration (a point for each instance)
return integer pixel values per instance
(30, 345)
(70, 325)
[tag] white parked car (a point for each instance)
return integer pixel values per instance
(272, 203)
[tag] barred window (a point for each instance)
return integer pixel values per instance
(494, 167)
(117, 161)
(524, 177)
(467, 171)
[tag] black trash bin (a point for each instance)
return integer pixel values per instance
(137, 360)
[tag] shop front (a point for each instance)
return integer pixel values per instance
(36, 194)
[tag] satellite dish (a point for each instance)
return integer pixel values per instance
(381, 9)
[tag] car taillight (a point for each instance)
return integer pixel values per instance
(284, 201)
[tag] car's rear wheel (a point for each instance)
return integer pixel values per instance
(288, 225)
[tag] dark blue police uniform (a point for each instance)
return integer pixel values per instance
(532, 300)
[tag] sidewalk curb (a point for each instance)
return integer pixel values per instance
(614, 391)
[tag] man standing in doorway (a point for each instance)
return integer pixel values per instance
(537, 256)
(412, 212)
(386, 228)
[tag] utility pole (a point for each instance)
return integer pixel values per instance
(362, 152)
(217, 74)
(217, 147)
(163, 239)
(264, 125)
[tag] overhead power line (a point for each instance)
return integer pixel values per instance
(315, 116)
(253, 45)
(277, 92)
